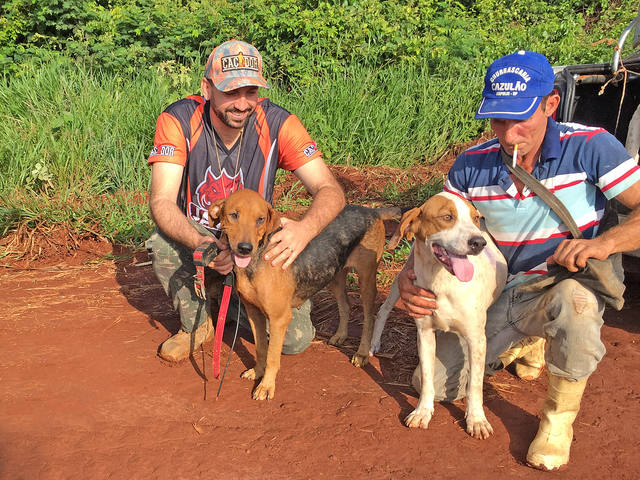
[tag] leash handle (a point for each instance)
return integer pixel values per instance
(203, 256)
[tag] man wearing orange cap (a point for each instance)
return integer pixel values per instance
(208, 146)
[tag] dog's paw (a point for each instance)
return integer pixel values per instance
(337, 339)
(359, 360)
(375, 348)
(418, 418)
(479, 427)
(251, 374)
(264, 392)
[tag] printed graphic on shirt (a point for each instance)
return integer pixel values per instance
(310, 150)
(211, 189)
(164, 150)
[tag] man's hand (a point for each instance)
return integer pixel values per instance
(416, 301)
(285, 245)
(573, 254)
(223, 262)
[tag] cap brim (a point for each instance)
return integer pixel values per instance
(509, 108)
(234, 83)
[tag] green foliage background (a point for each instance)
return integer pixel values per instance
(301, 38)
(375, 82)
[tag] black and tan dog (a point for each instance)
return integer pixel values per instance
(355, 239)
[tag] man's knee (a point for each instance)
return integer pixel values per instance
(300, 332)
(451, 368)
(573, 331)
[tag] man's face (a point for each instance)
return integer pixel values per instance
(527, 134)
(234, 107)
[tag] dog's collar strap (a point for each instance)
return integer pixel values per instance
(265, 240)
(202, 256)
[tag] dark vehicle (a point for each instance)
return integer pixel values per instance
(607, 95)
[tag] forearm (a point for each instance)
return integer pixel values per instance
(327, 203)
(625, 236)
(173, 223)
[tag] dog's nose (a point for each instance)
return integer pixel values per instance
(476, 244)
(244, 248)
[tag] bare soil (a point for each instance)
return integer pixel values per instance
(84, 395)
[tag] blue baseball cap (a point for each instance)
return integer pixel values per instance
(514, 86)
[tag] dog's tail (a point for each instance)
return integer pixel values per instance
(391, 213)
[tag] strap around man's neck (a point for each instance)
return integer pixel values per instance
(543, 192)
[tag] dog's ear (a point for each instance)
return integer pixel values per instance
(273, 218)
(215, 212)
(404, 230)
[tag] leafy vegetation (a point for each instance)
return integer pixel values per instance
(376, 83)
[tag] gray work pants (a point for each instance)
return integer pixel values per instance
(568, 316)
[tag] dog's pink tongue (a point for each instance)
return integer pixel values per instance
(462, 267)
(242, 262)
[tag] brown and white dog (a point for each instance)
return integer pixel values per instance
(458, 261)
(355, 239)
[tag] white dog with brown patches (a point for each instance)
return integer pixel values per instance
(458, 261)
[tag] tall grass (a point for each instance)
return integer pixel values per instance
(89, 131)
(395, 116)
(71, 136)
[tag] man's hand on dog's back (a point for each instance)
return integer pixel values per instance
(286, 244)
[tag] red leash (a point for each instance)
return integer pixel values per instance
(202, 256)
(222, 315)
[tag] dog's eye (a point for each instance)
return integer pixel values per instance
(447, 218)
(233, 215)
(260, 220)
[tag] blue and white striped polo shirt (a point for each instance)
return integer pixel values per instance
(580, 165)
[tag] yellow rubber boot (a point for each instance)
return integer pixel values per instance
(550, 448)
(528, 354)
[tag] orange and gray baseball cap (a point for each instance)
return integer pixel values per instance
(235, 64)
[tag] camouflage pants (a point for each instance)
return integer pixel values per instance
(174, 267)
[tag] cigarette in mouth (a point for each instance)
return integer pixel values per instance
(515, 155)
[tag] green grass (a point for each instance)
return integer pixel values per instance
(397, 116)
(74, 141)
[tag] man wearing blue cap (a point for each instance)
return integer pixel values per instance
(584, 167)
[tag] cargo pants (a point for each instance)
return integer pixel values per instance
(567, 315)
(174, 268)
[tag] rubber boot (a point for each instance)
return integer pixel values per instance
(550, 448)
(528, 355)
(182, 344)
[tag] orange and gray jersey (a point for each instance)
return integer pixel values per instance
(273, 138)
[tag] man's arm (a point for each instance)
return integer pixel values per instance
(165, 184)
(328, 202)
(573, 254)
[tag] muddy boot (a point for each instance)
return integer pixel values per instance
(528, 354)
(183, 344)
(550, 449)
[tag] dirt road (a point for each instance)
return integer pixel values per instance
(83, 395)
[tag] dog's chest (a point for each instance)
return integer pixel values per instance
(459, 304)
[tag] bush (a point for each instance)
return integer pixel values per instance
(302, 40)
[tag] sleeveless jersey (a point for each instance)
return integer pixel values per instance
(273, 138)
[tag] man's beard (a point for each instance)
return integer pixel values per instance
(225, 117)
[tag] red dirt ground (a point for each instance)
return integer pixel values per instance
(84, 395)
